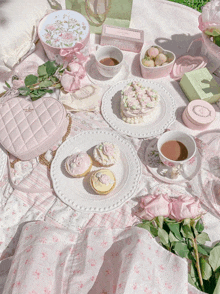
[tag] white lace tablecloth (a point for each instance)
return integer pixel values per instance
(173, 27)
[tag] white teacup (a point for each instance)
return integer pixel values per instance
(182, 137)
(108, 51)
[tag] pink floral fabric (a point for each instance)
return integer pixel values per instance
(54, 260)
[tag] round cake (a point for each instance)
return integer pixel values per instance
(78, 165)
(102, 181)
(106, 153)
(138, 103)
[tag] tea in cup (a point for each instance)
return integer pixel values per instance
(109, 60)
(176, 148)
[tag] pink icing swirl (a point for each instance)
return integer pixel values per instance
(104, 179)
(108, 149)
(79, 163)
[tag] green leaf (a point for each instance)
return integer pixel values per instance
(58, 86)
(186, 231)
(24, 91)
(206, 269)
(216, 40)
(42, 71)
(164, 238)
(202, 238)
(45, 84)
(214, 258)
(30, 80)
(54, 79)
(217, 287)
(199, 226)
(175, 229)
(51, 67)
(7, 84)
(147, 225)
(159, 220)
(202, 251)
(172, 238)
(49, 91)
(181, 249)
(193, 277)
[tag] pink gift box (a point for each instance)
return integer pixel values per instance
(198, 115)
(123, 38)
(64, 35)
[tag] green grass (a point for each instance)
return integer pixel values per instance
(195, 4)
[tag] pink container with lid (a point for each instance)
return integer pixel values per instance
(64, 35)
(198, 115)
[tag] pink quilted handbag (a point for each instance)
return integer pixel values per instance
(28, 129)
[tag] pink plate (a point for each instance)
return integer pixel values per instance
(187, 63)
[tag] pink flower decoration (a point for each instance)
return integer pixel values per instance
(18, 84)
(153, 206)
(210, 17)
(70, 82)
(185, 207)
(68, 37)
(109, 149)
(77, 68)
(104, 179)
(50, 27)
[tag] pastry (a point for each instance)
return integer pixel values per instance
(78, 165)
(138, 103)
(106, 153)
(102, 181)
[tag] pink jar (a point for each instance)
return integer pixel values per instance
(64, 35)
(198, 115)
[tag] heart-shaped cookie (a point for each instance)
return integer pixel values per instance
(187, 63)
(28, 129)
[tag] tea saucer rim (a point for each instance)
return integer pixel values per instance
(154, 172)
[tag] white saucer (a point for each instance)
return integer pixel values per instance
(96, 78)
(156, 167)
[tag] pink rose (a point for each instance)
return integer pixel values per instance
(50, 27)
(70, 82)
(77, 68)
(68, 37)
(210, 17)
(18, 84)
(153, 206)
(185, 207)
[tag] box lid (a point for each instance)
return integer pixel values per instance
(200, 112)
(63, 29)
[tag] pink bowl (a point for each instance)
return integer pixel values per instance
(156, 72)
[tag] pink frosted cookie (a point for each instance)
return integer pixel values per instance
(106, 153)
(78, 165)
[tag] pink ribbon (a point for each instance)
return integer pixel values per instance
(69, 52)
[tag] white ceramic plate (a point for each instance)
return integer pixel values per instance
(76, 192)
(3, 161)
(156, 167)
(157, 124)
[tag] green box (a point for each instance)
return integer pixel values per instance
(200, 84)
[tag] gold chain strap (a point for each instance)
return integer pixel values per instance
(42, 158)
(91, 13)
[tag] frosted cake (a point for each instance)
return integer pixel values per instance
(138, 103)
